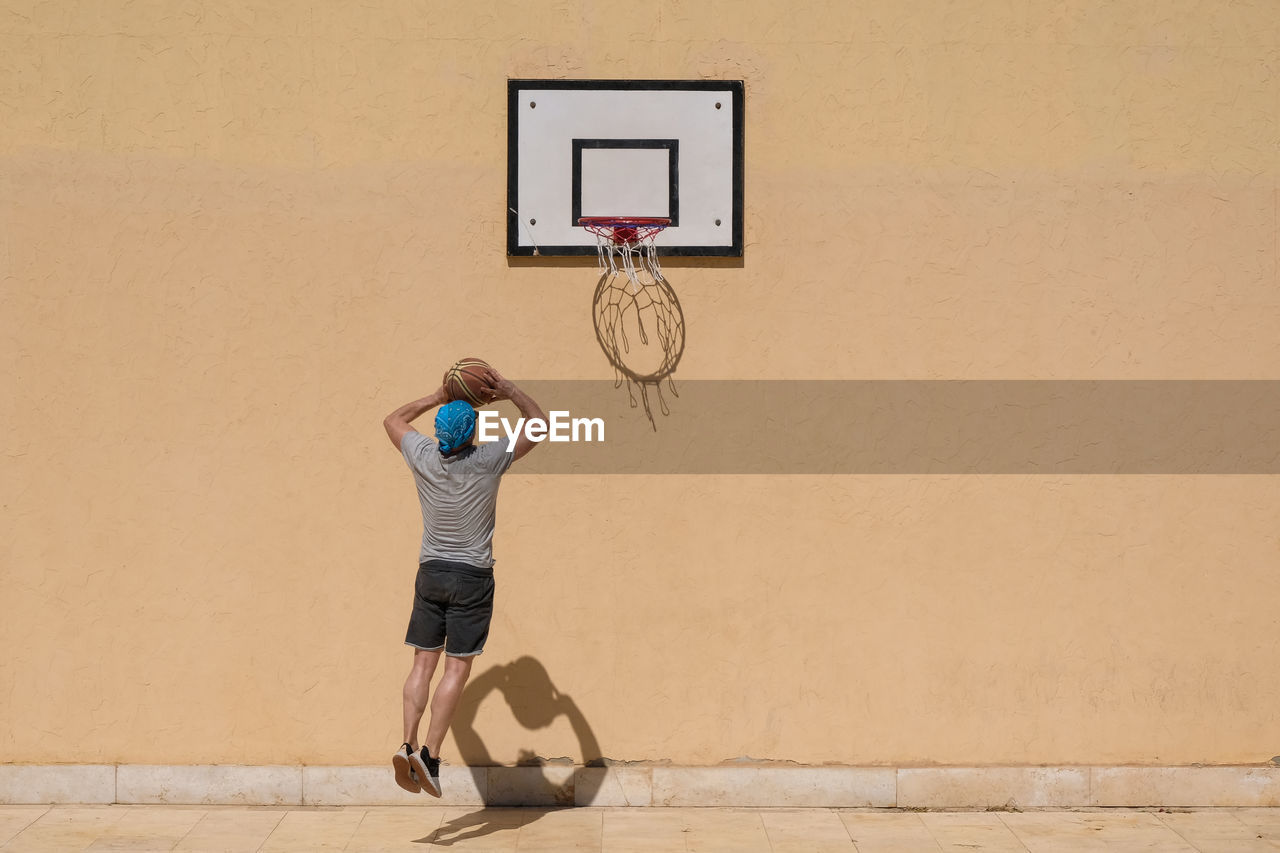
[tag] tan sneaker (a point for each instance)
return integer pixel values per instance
(404, 770)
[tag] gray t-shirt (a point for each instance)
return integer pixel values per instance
(459, 497)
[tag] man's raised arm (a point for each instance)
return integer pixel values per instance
(399, 422)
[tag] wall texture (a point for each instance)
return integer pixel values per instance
(234, 235)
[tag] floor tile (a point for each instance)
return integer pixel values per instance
(231, 829)
(148, 829)
(889, 832)
(1216, 831)
(642, 831)
(65, 828)
(479, 828)
(961, 832)
(660, 830)
(395, 828)
(723, 830)
(1110, 830)
(313, 829)
(806, 831)
(14, 819)
(562, 829)
(1264, 822)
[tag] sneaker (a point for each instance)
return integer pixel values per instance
(404, 770)
(427, 770)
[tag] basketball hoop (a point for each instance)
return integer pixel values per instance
(646, 307)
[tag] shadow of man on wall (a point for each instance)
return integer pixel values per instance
(535, 703)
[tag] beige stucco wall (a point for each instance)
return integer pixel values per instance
(228, 234)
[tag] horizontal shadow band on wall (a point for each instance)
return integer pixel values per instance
(915, 427)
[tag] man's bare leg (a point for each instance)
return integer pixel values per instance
(417, 688)
(445, 701)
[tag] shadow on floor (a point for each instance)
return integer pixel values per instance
(481, 822)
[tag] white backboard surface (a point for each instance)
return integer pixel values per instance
(648, 148)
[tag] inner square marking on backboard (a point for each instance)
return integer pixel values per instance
(600, 190)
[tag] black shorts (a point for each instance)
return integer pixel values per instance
(452, 606)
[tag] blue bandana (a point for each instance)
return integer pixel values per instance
(455, 422)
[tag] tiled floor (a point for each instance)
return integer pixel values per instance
(420, 828)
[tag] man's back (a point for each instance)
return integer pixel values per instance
(459, 497)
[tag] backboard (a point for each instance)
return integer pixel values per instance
(634, 148)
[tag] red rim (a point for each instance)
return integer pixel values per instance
(624, 230)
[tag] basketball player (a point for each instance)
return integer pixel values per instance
(457, 484)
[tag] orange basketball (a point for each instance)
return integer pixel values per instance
(468, 380)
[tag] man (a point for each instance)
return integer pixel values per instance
(453, 602)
